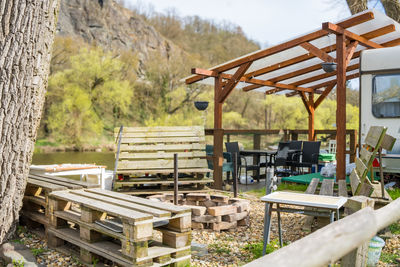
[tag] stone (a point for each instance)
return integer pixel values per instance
(234, 217)
(244, 222)
(191, 203)
(197, 210)
(10, 252)
(221, 210)
(156, 197)
(171, 197)
(206, 219)
(223, 226)
(207, 203)
(198, 249)
(220, 198)
(197, 197)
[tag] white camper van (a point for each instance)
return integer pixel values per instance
(380, 98)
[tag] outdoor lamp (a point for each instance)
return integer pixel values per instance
(201, 105)
(328, 66)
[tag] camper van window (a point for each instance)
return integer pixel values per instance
(386, 96)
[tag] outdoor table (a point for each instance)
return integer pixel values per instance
(329, 203)
(257, 153)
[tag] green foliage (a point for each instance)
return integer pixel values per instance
(18, 263)
(87, 98)
(395, 228)
(37, 251)
(256, 249)
(394, 193)
(389, 257)
(282, 187)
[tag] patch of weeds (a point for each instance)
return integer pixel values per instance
(394, 193)
(95, 261)
(388, 257)
(220, 248)
(257, 192)
(76, 260)
(18, 263)
(395, 228)
(256, 249)
(37, 251)
(21, 230)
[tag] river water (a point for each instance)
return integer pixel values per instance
(99, 158)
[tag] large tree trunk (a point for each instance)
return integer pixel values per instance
(357, 6)
(392, 9)
(27, 29)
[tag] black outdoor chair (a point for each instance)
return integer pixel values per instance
(309, 155)
(280, 158)
(233, 147)
(294, 156)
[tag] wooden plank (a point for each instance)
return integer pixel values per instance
(122, 203)
(45, 185)
(323, 95)
(40, 200)
(328, 26)
(161, 164)
(36, 216)
(142, 201)
(164, 134)
(365, 190)
(326, 187)
(334, 81)
(342, 187)
(55, 181)
(165, 147)
(83, 184)
(133, 138)
(161, 155)
(159, 191)
(354, 182)
(138, 181)
(361, 169)
(161, 129)
(233, 81)
(165, 171)
(374, 135)
(317, 52)
(101, 206)
(312, 186)
(388, 142)
(366, 156)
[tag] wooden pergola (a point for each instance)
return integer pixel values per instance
(294, 68)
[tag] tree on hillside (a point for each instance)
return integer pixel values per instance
(27, 30)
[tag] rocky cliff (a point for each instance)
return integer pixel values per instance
(108, 24)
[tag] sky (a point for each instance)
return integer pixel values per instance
(268, 22)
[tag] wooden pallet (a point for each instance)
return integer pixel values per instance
(120, 227)
(39, 186)
(148, 151)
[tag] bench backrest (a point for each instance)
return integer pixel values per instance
(152, 149)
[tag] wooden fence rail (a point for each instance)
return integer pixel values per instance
(331, 243)
(289, 134)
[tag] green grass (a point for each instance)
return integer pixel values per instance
(395, 228)
(282, 187)
(256, 248)
(45, 142)
(394, 193)
(388, 257)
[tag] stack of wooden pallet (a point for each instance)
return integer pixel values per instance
(35, 209)
(117, 227)
(146, 159)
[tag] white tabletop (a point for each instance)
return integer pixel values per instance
(308, 200)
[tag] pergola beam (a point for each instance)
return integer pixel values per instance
(321, 98)
(336, 29)
(284, 46)
(321, 54)
(328, 83)
(233, 81)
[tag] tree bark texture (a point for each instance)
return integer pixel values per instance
(392, 9)
(27, 29)
(357, 6)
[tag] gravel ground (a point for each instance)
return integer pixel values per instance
(224, 248)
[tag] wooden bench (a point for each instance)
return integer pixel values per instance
(146, 159)
(119, 227)
(39, 186)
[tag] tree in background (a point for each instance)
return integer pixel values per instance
(391, 7)
(93, 94)
(27, 31)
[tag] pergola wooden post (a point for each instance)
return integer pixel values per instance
(306, 81)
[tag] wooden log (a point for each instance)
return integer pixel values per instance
(175, 239)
